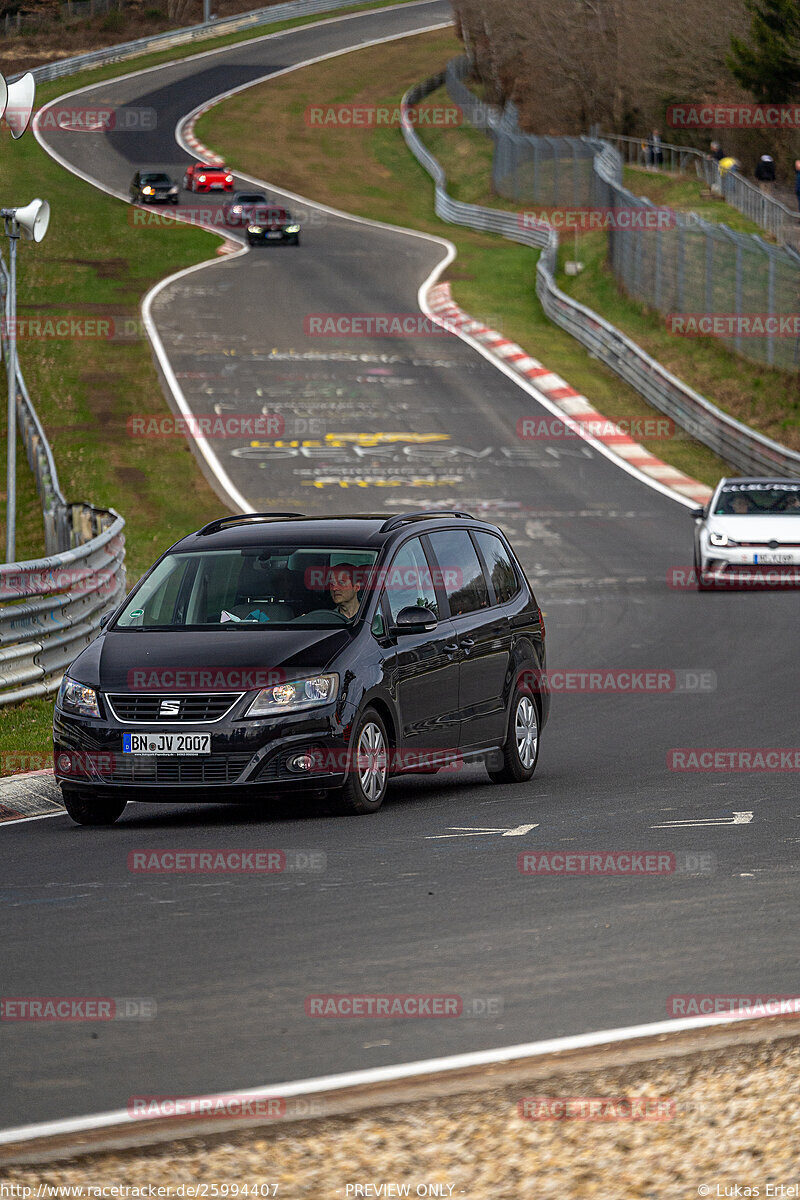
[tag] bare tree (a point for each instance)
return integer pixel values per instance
(571, 63)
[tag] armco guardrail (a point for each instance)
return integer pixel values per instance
(50, 608)
(177, 37)
(749, 451)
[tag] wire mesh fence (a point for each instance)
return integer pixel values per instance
(750, 452)
(703, 276)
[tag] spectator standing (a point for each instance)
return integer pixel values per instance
(655, 155)
(716, 151)
(765, 174)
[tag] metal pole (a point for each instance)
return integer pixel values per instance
(11, 366)
(206, 11)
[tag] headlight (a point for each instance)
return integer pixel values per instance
(292, 228)
(173, 189)
(229, 179)
(202, 178)
(255, 229)
(77, 697)
(721, 539)
(294, 694)
(236, 208)
(147, 191)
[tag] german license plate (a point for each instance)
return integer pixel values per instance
(216, 187)
(274, 235)
(773, 560)
(176, 744)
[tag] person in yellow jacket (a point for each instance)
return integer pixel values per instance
(729, 164)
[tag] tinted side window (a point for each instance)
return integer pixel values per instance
(461, 571)
(499, 566)
(408, 580)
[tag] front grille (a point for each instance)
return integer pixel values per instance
(146, 709)
(202, 772)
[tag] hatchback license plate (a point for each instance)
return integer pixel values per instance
(274, 235)
(774, 560)
(176, 744)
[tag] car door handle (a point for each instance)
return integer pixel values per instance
(450, 647)
(467, 642)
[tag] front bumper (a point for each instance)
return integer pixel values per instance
(247, 757)
(746, 566)
(272, 235)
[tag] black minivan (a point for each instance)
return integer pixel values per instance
(273, 652)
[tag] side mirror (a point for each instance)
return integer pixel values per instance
(697, 513)
(414, 619)
(106, 617)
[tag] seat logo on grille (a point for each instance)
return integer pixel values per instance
(170, 708)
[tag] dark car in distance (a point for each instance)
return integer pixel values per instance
(272, 224)
(238, 209)
(152, 187)
(275, 653)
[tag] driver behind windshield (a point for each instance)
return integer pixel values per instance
(344, 587)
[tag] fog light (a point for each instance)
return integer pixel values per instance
(301, 762)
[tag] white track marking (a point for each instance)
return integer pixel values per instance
(234, 497)
(426, 1067)
(738, 818)
(479, 831)
(433, 278)
(20, 820)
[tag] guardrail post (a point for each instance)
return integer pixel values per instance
(709, 274)
(771, 307)
(738, 338)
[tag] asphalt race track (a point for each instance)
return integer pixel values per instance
(400, 907)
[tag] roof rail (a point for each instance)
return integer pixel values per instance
(421, 515)
(243, 518)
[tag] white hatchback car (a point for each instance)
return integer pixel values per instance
(749, 534)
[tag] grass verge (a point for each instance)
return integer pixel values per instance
(764, 398)
(93, 265)
(371, 173)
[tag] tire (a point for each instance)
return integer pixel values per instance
(296, 241)
(365, 789)
(521, 750)
(86, 809)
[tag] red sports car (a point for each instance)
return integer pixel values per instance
(208, 177)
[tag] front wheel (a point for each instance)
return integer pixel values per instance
(86, 809)
(368, 768)
(521, 751)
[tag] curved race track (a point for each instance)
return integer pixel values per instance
(230, 959)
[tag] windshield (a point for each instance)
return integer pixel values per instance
(250, 588)
(759, 499)
(155, 178)
(251, 198)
